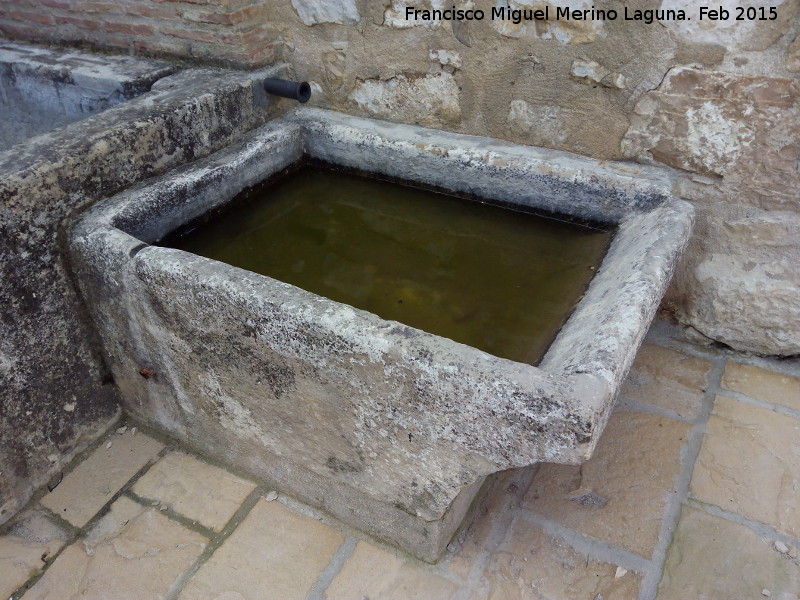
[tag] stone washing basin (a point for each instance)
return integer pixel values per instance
(42, 89)
(386, 427)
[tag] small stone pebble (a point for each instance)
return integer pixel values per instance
(781, 547)
(454, 547)
(134, 430)
(69, 407)
(108, 444)
(273, 495)
(122, 429)
(52, 458)
(766, 593)
(154, 503)
(620, 572)
(163, 507)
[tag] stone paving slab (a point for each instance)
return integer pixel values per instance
(199, 491)
(505, 493)
(533, 564)
(716, 558)
(668, 379)
(32, 540)
(131, 553)
(275, 553)
(183, 530)
(618, 496)
(749, 464)
(93, 482)
(762, 384)
(371, 572)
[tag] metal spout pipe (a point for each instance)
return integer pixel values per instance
(296, 90)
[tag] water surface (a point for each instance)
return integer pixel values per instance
(500, 280)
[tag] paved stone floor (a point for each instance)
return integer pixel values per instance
(692, 493)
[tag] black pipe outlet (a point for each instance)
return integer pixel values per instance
(296, 90)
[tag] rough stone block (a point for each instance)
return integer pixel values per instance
(424, 100)
(740, 135)
(311, 12)
(744, 129)
(565, 31)
(42, 181)
(740, 280)
(736, 35)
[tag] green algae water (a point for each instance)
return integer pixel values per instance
(496, 279)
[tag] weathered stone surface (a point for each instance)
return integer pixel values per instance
(762, 384)
(532, 564)
(542, 125)
(423, 99)
(49, 355)
(371, 572)
(748, 464)
(793, 55)
(201, 492)
(668, 379)
(344, 12)
(714, 558)
(395, 14)
(743, 129)
(45, 88)
(26, 547)
(592, 72)
(275, 553)
(618, 496)
(20, 559)
(565, 31)
(408, 434)
(739, 282)
(35, 524)
(740, 135)
(735, 35)
(93, 482)
(446, 58)
(132, 553)
(533, 65)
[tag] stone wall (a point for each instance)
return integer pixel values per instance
(716, 102)
(219, 31)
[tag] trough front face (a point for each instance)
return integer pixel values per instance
(385, 426)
